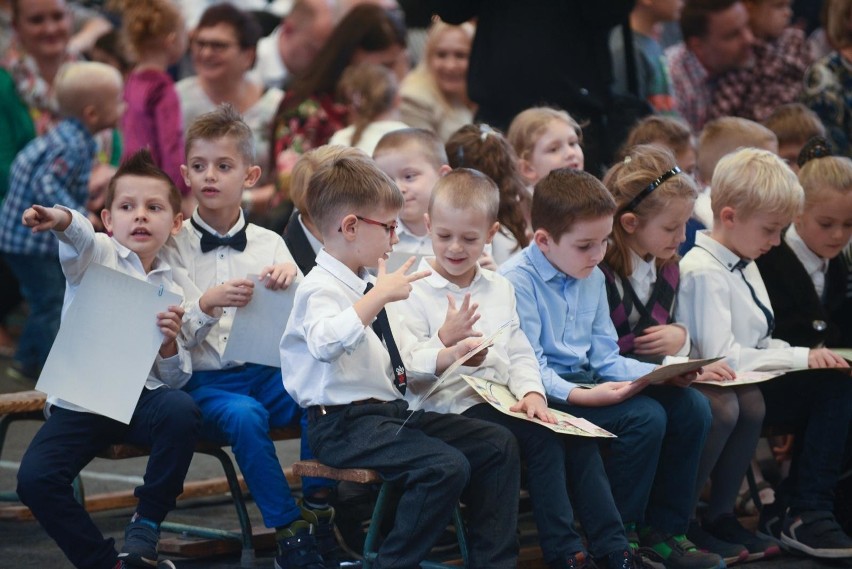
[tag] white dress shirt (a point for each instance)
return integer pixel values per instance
(328, 356)
(511, 361)
(816, 266)
(723, 319)
(411, 243)
(316, 244)
(196, 272)
(79, 247)
(702, 210)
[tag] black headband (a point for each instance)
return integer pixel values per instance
(634, 203)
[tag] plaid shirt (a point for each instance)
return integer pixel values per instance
(52, 169)
(775, 78)
(828, 92)
(691, 85)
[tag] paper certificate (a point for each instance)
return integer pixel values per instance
(502, 399)
(258, 326)
(396, 259)
(107, 343)
(667, 372)
(845, 353)
(743, 378)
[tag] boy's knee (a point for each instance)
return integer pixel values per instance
(34, 483)
(245, 414)
(645, 415)
(181, 412)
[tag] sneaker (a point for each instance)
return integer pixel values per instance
(728, 528)
(140, 543)
(626, 559)
(297, 547)
(771, 521)
(577, 561)
(322, 519)
(731, 552)
(817, 534)
(163, 564)
(677, 552)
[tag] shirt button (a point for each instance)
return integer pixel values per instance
(221, 255)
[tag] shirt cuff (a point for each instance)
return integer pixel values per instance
(800, 357)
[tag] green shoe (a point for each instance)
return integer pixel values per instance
(677, 552)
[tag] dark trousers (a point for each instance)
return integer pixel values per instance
(552, 461)
(654, 460)
(435, 460)
(166, 420)
(816, 406)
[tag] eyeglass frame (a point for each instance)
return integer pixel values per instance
(217, 47)
(390, 228)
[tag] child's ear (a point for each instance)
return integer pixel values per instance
(106, 217)
(428, 221)
(444, 170)
(347, 226)
(526, 169)
(184, 172)
(90, 114)
(629, 222)
(177, 223)
(727, 216)
(252, 176)
(543, 239)
(492, 232)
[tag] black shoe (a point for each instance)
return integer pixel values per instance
(677, 552)
(322, 519)
(731, 552)
(771, 521)
(622, 560)
(140, 544)
(728, 528)
(577, 561)
(297, 548)
(816, 534)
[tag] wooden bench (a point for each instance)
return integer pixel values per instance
(19, 406)
(366, 476)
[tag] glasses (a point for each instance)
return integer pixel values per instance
(390, 228)
(215, 46)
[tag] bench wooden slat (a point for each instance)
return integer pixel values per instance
(22, 402)
(316, 469)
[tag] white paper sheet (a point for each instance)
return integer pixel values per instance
(398, 258)
(107, 343)
(258, 326)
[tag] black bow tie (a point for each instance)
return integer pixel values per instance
(209, 241)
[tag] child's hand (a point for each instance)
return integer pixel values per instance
(41, 218)
(717, 371)
(534, 405)
(685, 379)
(458, 324)
(823, 358)
(486, 261)
(169, 324)
(279, 276)
(396, 285)
(664, 340)
(602, 394)
(236, 292)
(466, 346)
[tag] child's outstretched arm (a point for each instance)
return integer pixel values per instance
(41, 218)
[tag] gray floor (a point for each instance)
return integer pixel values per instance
(25, 545)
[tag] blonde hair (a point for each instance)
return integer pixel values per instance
(722, 136)
(751, 180)
(528, 126)
(487, 150)
(626, 180)
(370, 91)
(146, 23)
(81, 84)
(837, 18)
(310, 162)
(794, 123)
(671, 132)
(465, 188)
(428, 144)
(344, 185)
(821, 175)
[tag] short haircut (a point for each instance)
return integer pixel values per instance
(695, 16)
(566, 196)
(671, 132)
(225, 121)
(820, 176)
(465, 188)
(429, 144)
(627, 179)
(310, 162)
(345, 185)
(81, 84)
(722, 136)
(528, 126)
(837, 17)
(245, 25)
(142, 164)
(794, 123)
(753, 181)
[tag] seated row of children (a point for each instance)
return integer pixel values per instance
(353, 340)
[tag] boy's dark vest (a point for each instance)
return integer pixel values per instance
(658, 309)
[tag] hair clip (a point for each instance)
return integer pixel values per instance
(634, 203)
(815, 147)
(485, 130)
(627, 159)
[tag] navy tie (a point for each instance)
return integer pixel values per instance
(770, 319)
(381, 326)
(209, 241)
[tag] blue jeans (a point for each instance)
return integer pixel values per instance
(435, 459)
(556, 465)
(654, 461)
(815, 405)
(166, 420)
(239, 406)
(42, 284)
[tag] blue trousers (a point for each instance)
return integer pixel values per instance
(166, 420)
(816, 405)
(435, 459)
(239, 406)
(42, 284)
(557, 464)
(654, 461)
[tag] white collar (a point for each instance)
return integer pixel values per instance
(342, 273)
(812, 262)
(643, 271)
(236, 228)
(437, 281)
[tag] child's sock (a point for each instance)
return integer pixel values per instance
(146, 521)
(316, 502)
